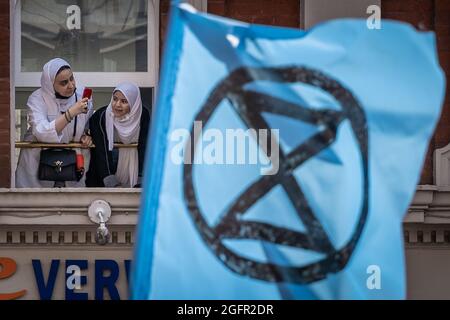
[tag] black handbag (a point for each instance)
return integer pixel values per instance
(59, 164)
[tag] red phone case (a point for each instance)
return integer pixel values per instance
(87, 93)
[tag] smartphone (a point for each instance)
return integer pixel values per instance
(87, 93)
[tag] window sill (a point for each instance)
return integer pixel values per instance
(67, 206)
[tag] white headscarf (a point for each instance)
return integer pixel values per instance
(127, 129)
(48, 76)
(43, 110)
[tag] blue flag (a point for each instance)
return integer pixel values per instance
(282, 162)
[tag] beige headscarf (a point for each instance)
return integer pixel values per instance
(127, 129)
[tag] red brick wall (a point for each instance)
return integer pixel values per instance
(5, 160)
(429, 15)
(163, 20)
(284, 13)
(442, 28)
(278, 13)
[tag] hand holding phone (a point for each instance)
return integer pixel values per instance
(87, 93)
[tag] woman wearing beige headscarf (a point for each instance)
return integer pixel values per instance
(125, 121)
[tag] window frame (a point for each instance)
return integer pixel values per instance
(200, 5)
(95, 79)
(19, 79)
(319, 9)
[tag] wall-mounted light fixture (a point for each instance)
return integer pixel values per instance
(99, 212)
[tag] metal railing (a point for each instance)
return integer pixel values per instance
(24, 145)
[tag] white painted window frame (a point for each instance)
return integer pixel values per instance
(91, 79)
(320, 9)
(96, 79)
(12, 112)
(200, 5)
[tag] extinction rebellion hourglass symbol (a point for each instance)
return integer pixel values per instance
(249, 106)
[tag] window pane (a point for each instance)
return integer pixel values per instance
(93, 35)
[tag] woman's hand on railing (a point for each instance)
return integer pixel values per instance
(86, 141)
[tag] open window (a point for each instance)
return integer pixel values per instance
(105, 41)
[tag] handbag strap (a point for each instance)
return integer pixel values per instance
(75, 125)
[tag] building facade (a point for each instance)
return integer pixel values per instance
(47, 235)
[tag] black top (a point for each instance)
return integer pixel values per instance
(103, 162)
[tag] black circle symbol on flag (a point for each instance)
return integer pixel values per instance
(249, 105)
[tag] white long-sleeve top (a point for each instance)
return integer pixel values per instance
(41, 121)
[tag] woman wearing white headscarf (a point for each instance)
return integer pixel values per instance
(125, 121)
(53, 112)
